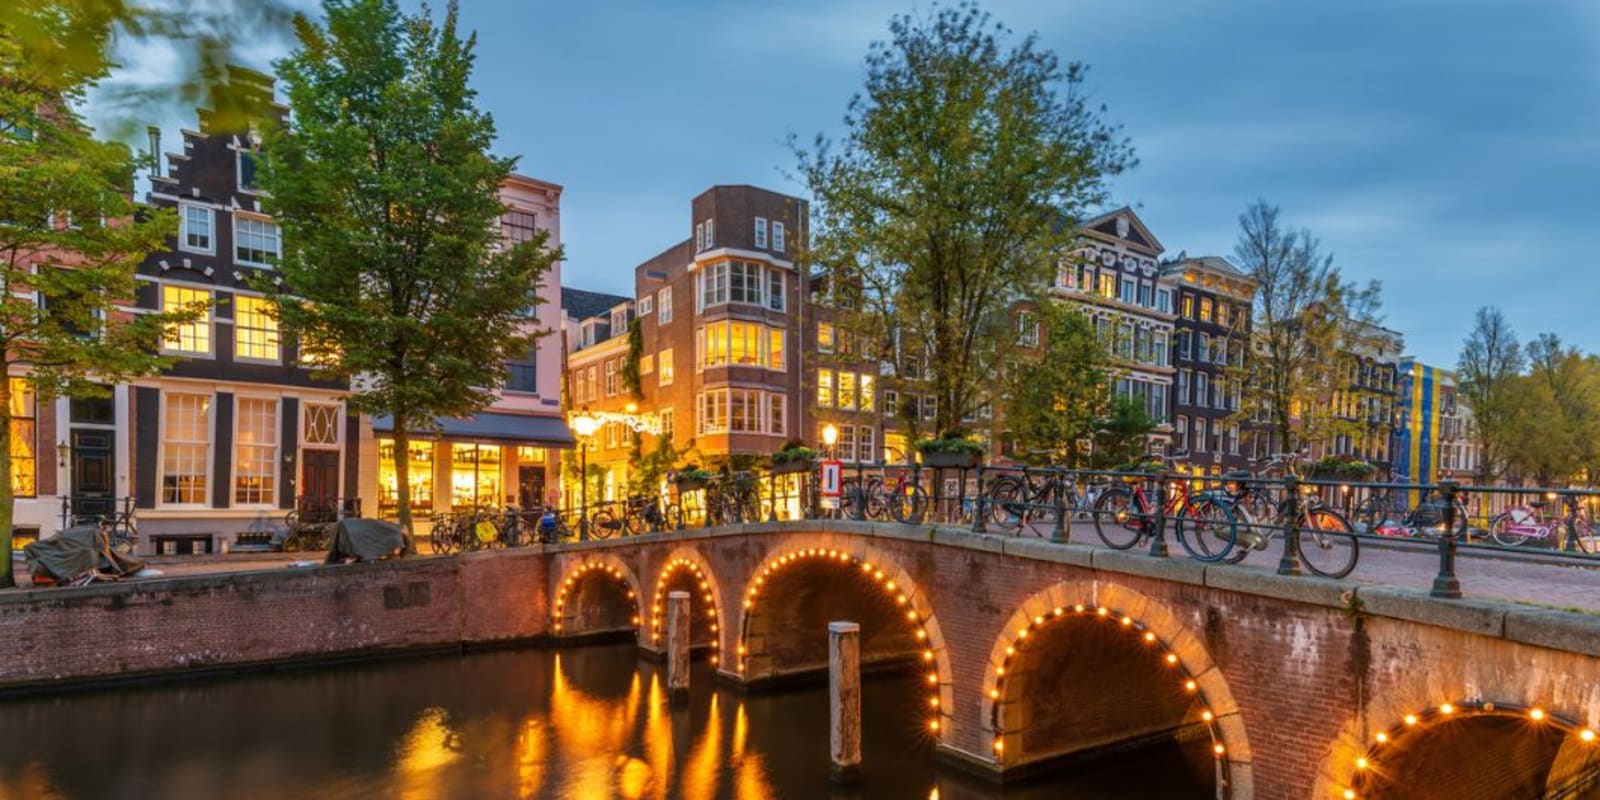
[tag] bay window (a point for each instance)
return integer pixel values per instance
(741, 282)
(738, 343)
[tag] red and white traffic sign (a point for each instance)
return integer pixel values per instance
(832, 473)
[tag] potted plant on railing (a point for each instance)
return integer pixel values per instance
(794, 457)
(1345, 468)
(953, 448)
(691, 478)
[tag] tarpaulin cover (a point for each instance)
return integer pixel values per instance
(365, 540)
(77, 552)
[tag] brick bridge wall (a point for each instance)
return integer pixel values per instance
(1298, 674)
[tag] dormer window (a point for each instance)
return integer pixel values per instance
(247, 171)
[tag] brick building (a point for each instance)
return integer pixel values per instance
(720, 316)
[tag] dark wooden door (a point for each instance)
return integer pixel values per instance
(93, 474)
(319, 476)
(530, 487)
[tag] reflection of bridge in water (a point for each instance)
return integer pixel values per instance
(1034, 654)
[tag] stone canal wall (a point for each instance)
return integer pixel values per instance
(119, 631)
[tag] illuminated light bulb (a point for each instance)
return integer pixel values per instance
(1190, 685)
(878, 574)
(999, 745)
(933, 725)
(1410, 719)
(1536, 714)
(760, 580)
(1381, 737)
(636, 620)
(748, 604)
(1126, 621)
(713, 630)
(927, 655)
(1447, 709)
(900, 600)
(911, 615)
(1172, 659)
(933, 678)
(1038, 620)
(1149, 637)
(1218, 749)
(1022, 634)
(1586, 735)
(558, 626)
(713, 659)
(999, 671)
(1011, 651)
(994, 694)
(1349, 794)
(1207, 716)
(921, 634)
(1361, 763)
(1078, 608)
(866, 566)
(1102, 611)
(1059, 611)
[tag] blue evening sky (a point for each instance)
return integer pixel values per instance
(1449, 148)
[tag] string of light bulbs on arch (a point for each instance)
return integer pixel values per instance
(998, 674)
(577, 574)
(703, 587)
(886, 584)
(1367, 765)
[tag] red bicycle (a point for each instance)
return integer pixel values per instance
(1124, 516)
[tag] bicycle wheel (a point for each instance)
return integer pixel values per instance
(1505, 533)
(1000, 503)
(634, 524)
(853, 501)
(439, 539)
(1327, 545)
(602, 524)
(1206, 529)
(907, 503)
(1118, 523)
(1368, 514)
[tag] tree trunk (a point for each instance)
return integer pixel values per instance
(402, 481)
(7, 491)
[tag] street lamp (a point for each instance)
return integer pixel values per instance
(830, 437)
(583, 425)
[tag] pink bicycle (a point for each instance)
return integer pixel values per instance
(1520, 524)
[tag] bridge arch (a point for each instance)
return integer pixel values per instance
(1028, 709)
(1475, 748)
(895, 613)
(597, 594)
(688, 570)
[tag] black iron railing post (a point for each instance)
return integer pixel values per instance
(1059, 534)
(979, 524)
(1446, 584)
(1289, 562)
(1158, 526)
(1569, 509)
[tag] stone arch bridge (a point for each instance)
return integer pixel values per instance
(1034, 653)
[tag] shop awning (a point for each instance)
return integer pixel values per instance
(522, 429)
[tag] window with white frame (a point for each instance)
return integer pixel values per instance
(775, 284)
(740, 344)
(664, 367)
(664, 301)
(246, 171)
(866, 442)
(711, 233)
(761, 233)
(185, 448)
(611, 377)
(255, 460)
(320, 424)
(824, 337)
(777, 416)
(197, 232)
(256, 241)
(1164, 300)
(667, 420)
(255, 332)
(193, 338)
(777, 236)
(699, 237)
(646, 305)
(891, 402)
(825, 388)
(1027, 329)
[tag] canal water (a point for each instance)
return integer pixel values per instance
(581, 723)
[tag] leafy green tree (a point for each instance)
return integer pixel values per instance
(1557, 417)
(1122, 436)
(1306, 316)
(1491, 361)
(70, 245)
(953, 193)
(388, 197)
(1052, 398)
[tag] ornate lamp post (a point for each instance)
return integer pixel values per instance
(584, 426)
(830, 437)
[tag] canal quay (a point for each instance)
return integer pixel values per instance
(989, 666)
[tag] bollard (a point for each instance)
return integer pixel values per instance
(844, 701)
(1446, 585)
(1158, 526)
(1289, 563)
(979, 511)
(678, 646)
(1060, 532)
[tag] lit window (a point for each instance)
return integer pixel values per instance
(1108, 285)
(185, 448)
(824, 337)
(664, 367)
(775, 339)
(1205, 309)
(189, 337)
(196, 234)
(24, 439)
(868, 391)
(256, 241)
(847, 390)
(475, 475)
(255, 332)
(825, 388)
(255, 451)
(419, 469)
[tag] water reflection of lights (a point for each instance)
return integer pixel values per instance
(935, 725)
(576, 575)
(589, 732)
(702, 587)
(429, 746)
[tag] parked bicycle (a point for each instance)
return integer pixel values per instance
(1014, 501)
(1328, 545)
(649, 514)
(1532, 522)
(1386, 512)
(1125, 516)
(904, 500)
